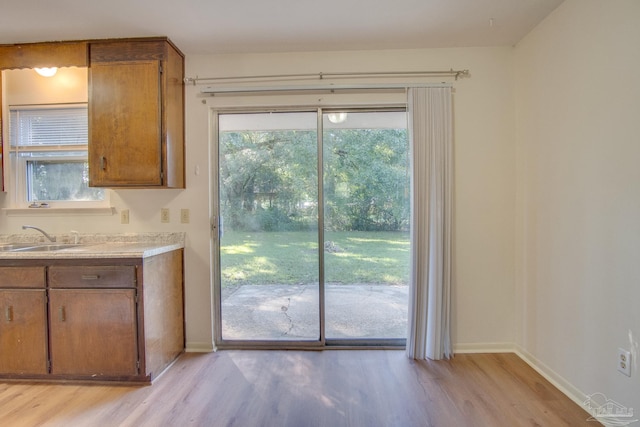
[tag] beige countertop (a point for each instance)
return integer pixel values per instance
(138, 245)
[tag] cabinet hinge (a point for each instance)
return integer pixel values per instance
(161, 70)
(49, 366)
(137, 366)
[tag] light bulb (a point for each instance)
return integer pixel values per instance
(47, 72)
(337, 117)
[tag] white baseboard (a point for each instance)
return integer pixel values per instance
(493, 347)
(553, 377)
(199, 347)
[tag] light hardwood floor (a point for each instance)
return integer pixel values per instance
(306, 388)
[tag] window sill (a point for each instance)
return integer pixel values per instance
(58, 211)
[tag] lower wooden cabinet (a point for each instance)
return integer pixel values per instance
(93, 332)
(107, 319)
(23, 331)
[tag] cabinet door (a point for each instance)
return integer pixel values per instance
(125, 127)
(93, 332)
(23, 332)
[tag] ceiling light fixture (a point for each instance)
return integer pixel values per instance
(337, 117)
(47, 71)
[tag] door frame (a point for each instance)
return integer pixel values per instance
(215, 229)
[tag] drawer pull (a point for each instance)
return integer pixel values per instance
(90, 277)
(61, 314)
(9, 313)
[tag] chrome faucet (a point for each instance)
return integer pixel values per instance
(51, 239)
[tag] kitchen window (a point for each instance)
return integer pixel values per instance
(48, 156)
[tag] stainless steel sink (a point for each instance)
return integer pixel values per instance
(9, 247)
(44, 248)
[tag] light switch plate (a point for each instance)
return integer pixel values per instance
(184, 216)
(164, 215)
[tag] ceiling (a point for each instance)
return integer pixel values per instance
(242, 26)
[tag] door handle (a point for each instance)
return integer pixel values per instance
(61, 314)
(8, 312)
(103, 162)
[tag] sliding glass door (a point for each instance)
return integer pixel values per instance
(313, 217)
(366, 226)
(268, 203)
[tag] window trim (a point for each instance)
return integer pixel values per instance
(15, 173)
(93, 211)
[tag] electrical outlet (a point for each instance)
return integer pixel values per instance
(164, 215)
(624, 361)
(184, 216)
(124, 216)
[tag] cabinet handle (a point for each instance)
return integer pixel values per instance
(9, 313)
(103, 163)
(90, 277)
(62, 314)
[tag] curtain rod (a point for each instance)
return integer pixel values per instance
(326, 76)
(306, 89)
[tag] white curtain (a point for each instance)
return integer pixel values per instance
(431, 136)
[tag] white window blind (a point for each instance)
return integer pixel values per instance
(38, 127)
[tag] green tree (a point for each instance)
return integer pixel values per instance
(268, 179)
(366, 179)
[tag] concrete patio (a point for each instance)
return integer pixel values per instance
(291, 312)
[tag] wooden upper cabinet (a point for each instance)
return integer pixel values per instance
(46, 54)
(136, 106)
(136, 114)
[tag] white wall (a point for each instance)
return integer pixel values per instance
(578, 194)
(24, 87)
(485, 169)
(485, 183)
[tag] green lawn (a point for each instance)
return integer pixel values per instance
(292, 258)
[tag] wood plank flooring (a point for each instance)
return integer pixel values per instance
(306, 388)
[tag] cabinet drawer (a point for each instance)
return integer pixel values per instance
(22, 277)
(117, 276)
